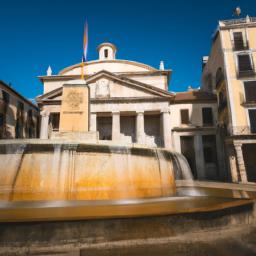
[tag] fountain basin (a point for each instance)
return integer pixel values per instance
(81, 210)
(39, 170)
(190, 198)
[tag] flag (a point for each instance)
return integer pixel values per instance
(85, 45)
(85, 49)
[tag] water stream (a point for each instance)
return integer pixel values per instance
(89, 172)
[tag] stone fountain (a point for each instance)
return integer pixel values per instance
(95, 189)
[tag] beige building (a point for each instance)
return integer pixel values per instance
(130, 103)
(230, 72)
(194, 133)
(18, 116)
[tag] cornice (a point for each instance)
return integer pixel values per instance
(111, 100)
(18, 95)
(194, 128)
(127, 99)
(166, 72)
(197, 101)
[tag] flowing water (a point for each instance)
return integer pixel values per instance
(182, 169)
(61, 171)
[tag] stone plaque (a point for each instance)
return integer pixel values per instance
(74, 114)
(102, 88)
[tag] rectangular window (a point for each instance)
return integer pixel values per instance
(6, 97)
(244, 63)
(238, 41)
(184, 116)
(106, 53)
(104, 127)
(250, 91)
(1, 120)
(252, 117)
(55, 121)
(209, 147)
(207, 116)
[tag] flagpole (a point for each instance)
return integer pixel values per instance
(82, 69)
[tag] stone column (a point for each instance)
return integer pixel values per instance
(140, 133)
(44, 130)
(232, 163)
(199, 156)
(240, 162)
(93, 122)
(115, 125)
(166, 129)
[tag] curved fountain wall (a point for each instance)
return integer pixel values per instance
(57, 171)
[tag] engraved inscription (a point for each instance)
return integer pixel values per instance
(74, 99)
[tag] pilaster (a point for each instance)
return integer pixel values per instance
(240, 161)
(115, 125)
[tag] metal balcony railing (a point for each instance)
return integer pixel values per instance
(222, 106)
(246, 73)
(250, 100)
(241, 130)
(240, 45)
(239, 21)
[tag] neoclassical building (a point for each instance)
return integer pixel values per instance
(130, 104)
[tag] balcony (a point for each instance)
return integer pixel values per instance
(240, 45)
(219, 81)
(222, 106)
(249, 101)
(241, 130)
(246, 73)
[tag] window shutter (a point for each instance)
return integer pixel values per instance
(238, 40)
(184, 116)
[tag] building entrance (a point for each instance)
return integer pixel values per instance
(187, 149)
(250, 161)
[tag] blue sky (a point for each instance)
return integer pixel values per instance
(35, 34)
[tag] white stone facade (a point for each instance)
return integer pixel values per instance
(130, 103)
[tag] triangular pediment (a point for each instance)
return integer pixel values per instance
(105, 84)
(123, 81)
(52, 95)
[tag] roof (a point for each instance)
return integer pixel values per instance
(237, 22)
(107, 44)
(94, 62)
(194, 95)
(18, 94)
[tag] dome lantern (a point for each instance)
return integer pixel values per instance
(107, 51)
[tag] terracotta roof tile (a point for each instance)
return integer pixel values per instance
(194, 95)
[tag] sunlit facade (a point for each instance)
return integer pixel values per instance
(230, 72)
